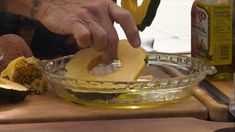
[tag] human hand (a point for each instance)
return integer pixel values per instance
(89, 21)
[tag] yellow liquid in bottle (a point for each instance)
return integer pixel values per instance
(214, 37)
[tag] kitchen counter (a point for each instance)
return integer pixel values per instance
(49, 112)
(51, 108)
(218, 111)
(128, 125)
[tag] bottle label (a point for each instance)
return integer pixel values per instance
(214, 33)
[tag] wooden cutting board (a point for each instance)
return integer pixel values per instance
(51, 108)
(127, 125)
(217, 110)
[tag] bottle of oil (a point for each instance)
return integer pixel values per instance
(193, 30)
(212, 39)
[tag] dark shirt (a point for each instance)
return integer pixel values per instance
(45, 44)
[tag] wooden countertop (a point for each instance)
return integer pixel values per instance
(51, 108)
(49, 112)
(128, 125)
(224, 86)
(217, 110)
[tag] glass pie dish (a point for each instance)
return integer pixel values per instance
(167, 79)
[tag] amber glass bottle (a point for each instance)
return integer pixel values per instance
(193, 30)
(212, 36)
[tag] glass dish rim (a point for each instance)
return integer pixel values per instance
(211, 70)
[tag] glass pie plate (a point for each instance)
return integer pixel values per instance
(167, 79)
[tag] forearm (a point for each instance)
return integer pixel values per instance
(20, 7)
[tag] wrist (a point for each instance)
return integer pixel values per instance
(19, 7)
(28, 8)
(34, 8)
(39, 8)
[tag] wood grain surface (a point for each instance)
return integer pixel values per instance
(50, 108)
(217, 111)
(128, 125)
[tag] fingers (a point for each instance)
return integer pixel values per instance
(99, 36)
(91, 34)
(110, 53)
(127, 22)
(82, 35)
(105, 39)
(98, 32)
(102, 37)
